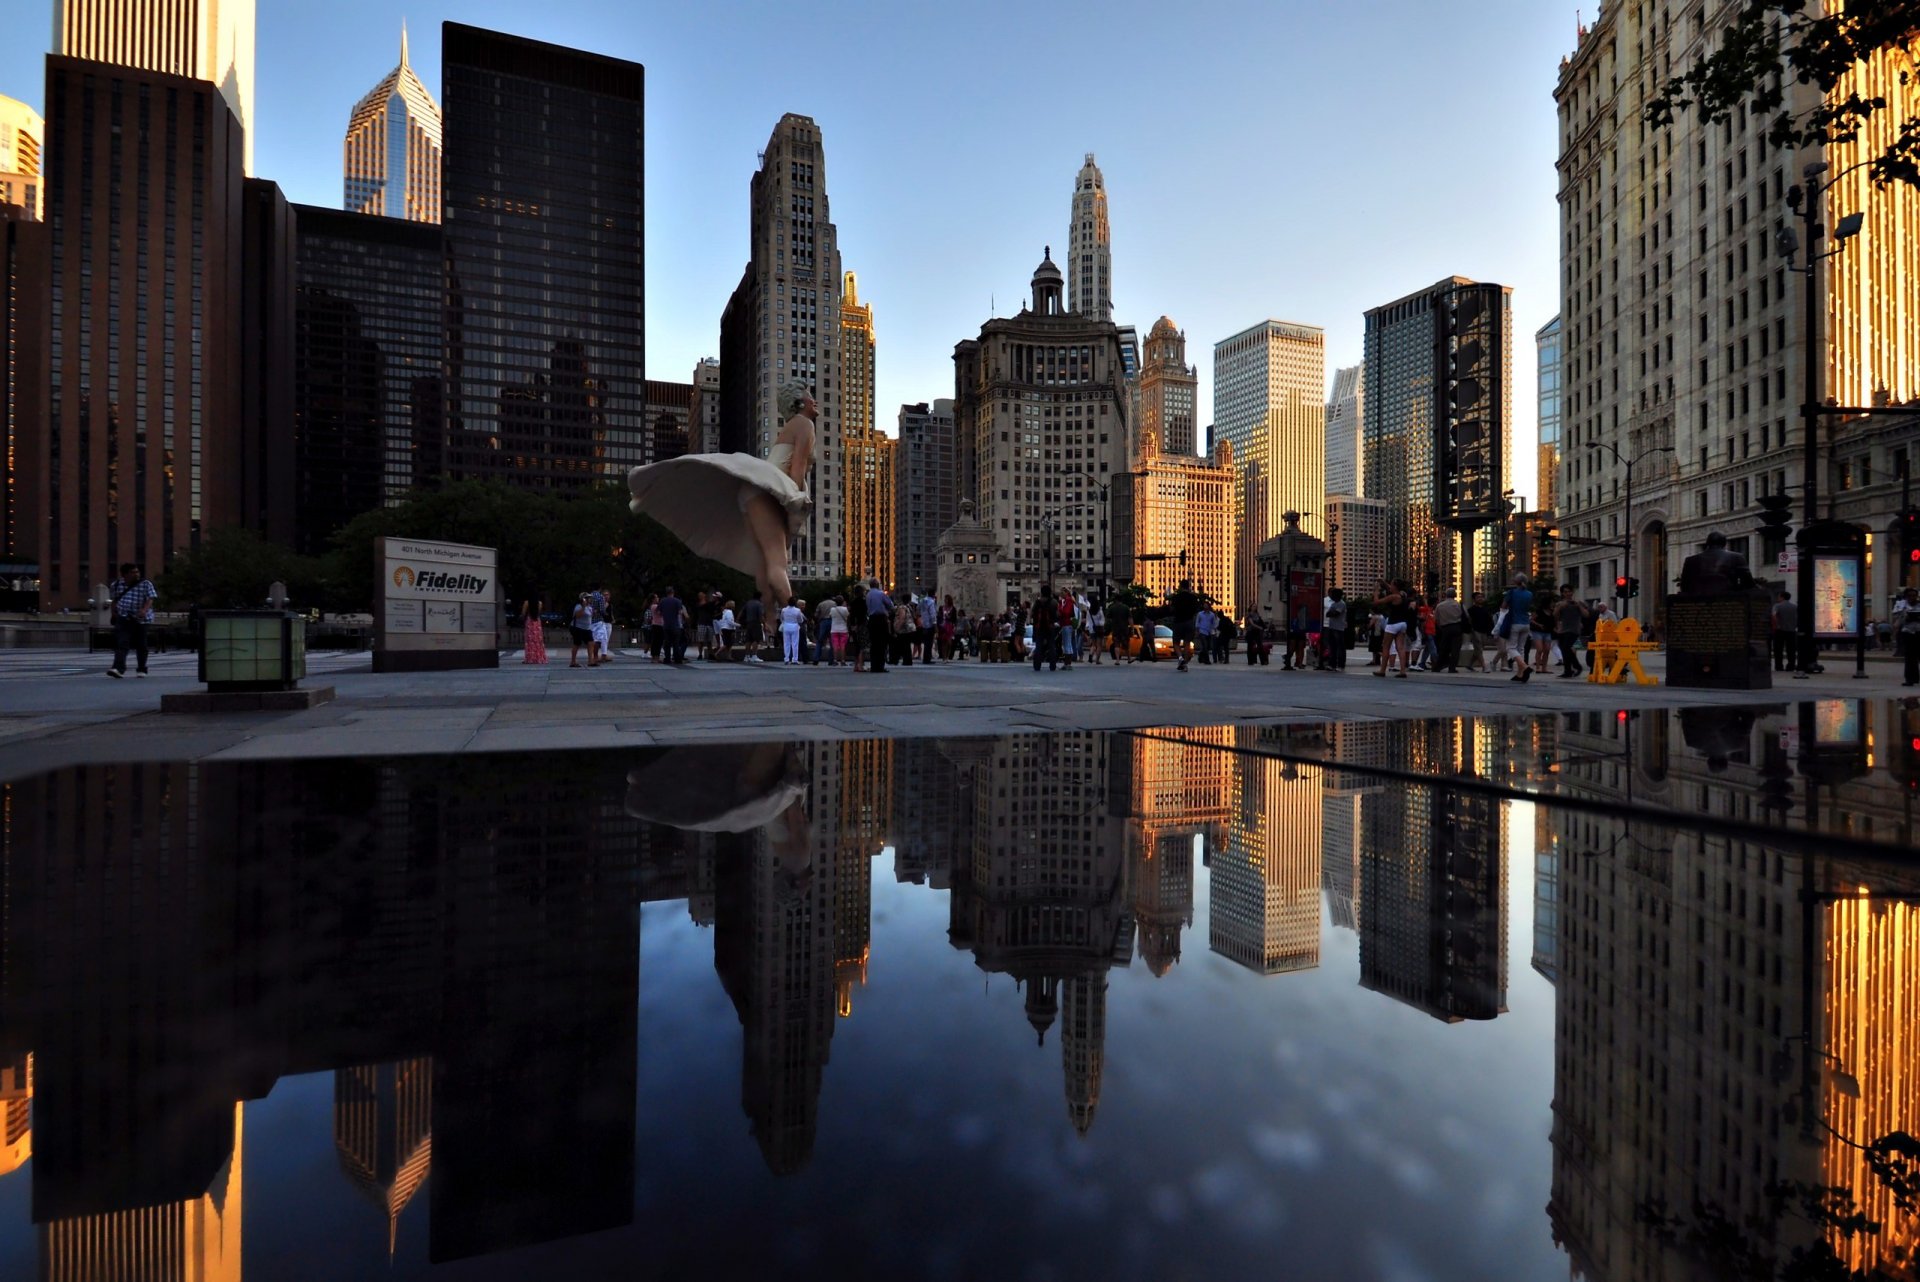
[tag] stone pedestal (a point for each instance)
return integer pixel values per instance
(1719, 641)
(205, 701)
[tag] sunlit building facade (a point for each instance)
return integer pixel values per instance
(1269, 403)
(391, 157)
(1356, 548)
(869, 543)
(1263, 909)
(1090, 247)
(22, 138)
(1173, 520)
(210, 40)
(1169, 393)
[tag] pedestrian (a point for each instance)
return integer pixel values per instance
(1516, 607)
(1390, 599)
(1479, 630)
(673, 629)
(753, 631)
(1786, 628)
(1224, 632)
(1203, 626)
(1120, 632)
(1906, 628)
(1449, 631)
(1569, 619)
(948, 626)
(906, 628)
(656, 633)
(837, 628)
(927, 616)
(857, 626)
(1334, 629)
(133, 598)
(823, 632)
(1426, 633)
(793, 617)
(1183, 607)
(580, 631)
(726, 630)
(603, 624)
(1044, 625)
(879, 626)
(533, 642)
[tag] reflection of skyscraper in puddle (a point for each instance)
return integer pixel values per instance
(1872, 1008)
(865, 815)
(1041, 894)
(16, 1113)
(383, 1132)
(1169, 793)
(932, 808)
(1546, 895)
(775, 942)
(1361, 743)
(1433, 921)
(1264, 899)
(196, 1239)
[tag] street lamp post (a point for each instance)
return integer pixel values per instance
(1626, 543)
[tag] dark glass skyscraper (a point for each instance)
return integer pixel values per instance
(367, 362)
(545, 313)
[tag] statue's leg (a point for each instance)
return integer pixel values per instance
(769, 527)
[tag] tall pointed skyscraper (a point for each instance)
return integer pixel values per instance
(392, 152)
(207, 40)
(1090, 247)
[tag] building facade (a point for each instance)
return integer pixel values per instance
(781, 325)
(144, 401)
(1408, 372)
(367, 365)
(391, 157)
(23, 387)
(1173, 520)
(1090, 247)
(1263, 905)
(926, 497)
(1551, 368)
(22, 139)
(1169, 393)
(670, 409)
(1269, 402)
(868, 543)
(704, 435)
(210, 40)
(1040, 405)
(1684, 325)
(1346, 452)
(546, 327)
(1356, 546)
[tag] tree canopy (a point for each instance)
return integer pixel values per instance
(1772, 43)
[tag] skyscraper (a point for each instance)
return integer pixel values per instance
(1169, 389)
(1033, 394)
(1090, 247)
(704, 431)
(210, 40)
(1177, 510)
(1264, 900)
(670, 408)
(546, 324)
(23, 378)
(780, 326)
(870, 461)
(926, 496)
(1357, 550)
(144, 408)
(1269, 390)
(391, 157)
(367, 365)
(1407, 367)
(1552, 370)
(22, 135)
(1345, 452)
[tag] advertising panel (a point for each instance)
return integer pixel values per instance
(438, 607)
(1836, 597)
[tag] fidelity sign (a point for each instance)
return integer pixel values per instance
(438, 608)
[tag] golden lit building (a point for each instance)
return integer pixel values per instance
(193, 1241)
(1174, 792)
(16, 1114)
(22, 135)
(209, 40)
(1264, 905)
(383, 1132)
(1169, 393)
(866, 815)
(392, 153)
(1269, 402)
(1179, 511)
(868, 548)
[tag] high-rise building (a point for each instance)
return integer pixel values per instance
(22, 135)
(1345, 432)
(1408, 369)
(1264, 901)
(265, 461)
(391, 157)
(368, 366)
(1090, 247)
(1357, 548)
(1173, 520)
(1040, 406)
(1169, 391)
(144, 402)
(210, 40)
(1552, 367)
(546, 325)
(1685, 327)
(870, 463)
(383, 1132)
(926, 496)
(670, 408)
(1269, 401)
(780, 326)
(23, 387)
(704, 432)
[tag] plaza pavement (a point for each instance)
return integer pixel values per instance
(57, 707)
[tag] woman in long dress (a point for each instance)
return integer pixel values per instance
(696, 495)
(536, 641)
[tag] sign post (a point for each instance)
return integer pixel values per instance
(438, 606)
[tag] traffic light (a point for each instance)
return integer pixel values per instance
(1910, 536)
(1620, 586)
(1776, 515)
(1904, 751)
(1549, 533)
(1633, 587)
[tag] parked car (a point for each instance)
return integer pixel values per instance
(1162, 642)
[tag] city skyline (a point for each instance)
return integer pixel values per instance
(1321, 268)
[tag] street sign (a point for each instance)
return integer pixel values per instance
(1789, 561)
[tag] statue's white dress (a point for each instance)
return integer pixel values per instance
(701, 498)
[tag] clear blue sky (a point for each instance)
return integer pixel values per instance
(1279, 158)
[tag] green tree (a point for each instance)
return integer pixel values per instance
(234, 569)
(1774, 42)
